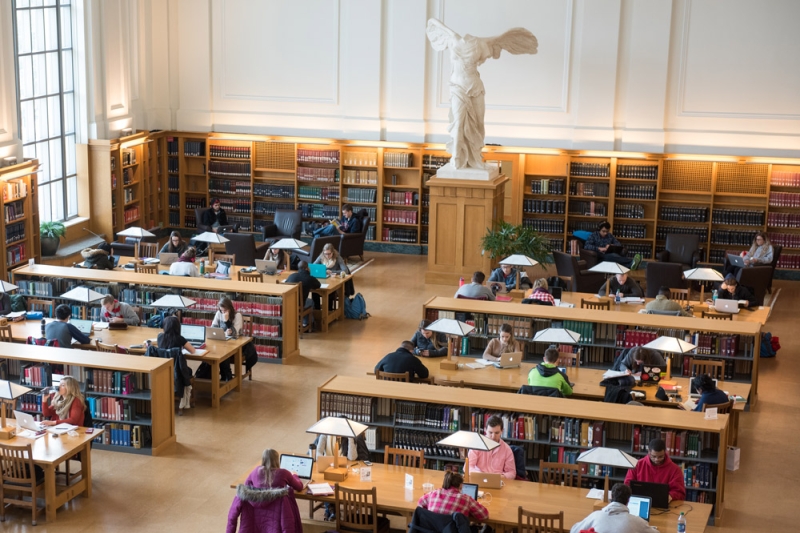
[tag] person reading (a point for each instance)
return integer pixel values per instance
(614, 517)
(497, 461)
(504, 344)
(215, 217)
(116, 311)
(731, 290)
(61, 330)
(266, 502)
(232, 322)
(425, 342)
(476, 289)
(541, 292)
(449, 499)
(401, 361)
(633, 360)
(708, 391)
(663, 303)
(347, 224)
(601, 242)
(657, 467)
(65, 406)
(508, 274)
(185, 266)
(175, 244)
(626, 285)
(547, 374)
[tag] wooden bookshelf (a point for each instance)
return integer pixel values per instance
(20, 221)
(783, 213)
(142, 289)
(415, 416)
(153, 397)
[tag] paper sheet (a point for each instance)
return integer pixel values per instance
(595, 494)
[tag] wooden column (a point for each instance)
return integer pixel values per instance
(460, 213)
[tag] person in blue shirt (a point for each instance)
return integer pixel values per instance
(347, 224)
(600, 240)
(61, 330)
(709, 393)
(508, 274)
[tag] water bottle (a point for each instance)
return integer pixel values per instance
(202, 268)
(682, 523)
(461, 281)
(43, 326)
(714, 296)
(618, 297)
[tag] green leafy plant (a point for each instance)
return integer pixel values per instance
(506, 239)
(52, 230)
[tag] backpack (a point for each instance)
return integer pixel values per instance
(155, 321)
(18, 303)
(355, 307)
(766, 344)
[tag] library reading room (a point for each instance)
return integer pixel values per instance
(421, 266)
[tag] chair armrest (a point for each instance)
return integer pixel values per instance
(695, 258)
(582, 265)
(270, 230)
(261, 249)
(352, 236)
(663, 256)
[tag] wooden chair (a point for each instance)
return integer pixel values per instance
(567, 359)
(45, 306)
(717, 316)
(391, 376)
(213, 257)
(18, 476)
(247, 331)
(564, 474)
(148, 249)
(450, 383)
(107, 348)
(591, 304)
(250, 277)
(715, 369)
(722, 408)
(5, 333)
(679, 295)
(407, 458)
(533, 522)
(142, 268)
(357, 511)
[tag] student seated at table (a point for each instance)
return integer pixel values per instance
(61, 330)
(547, 374)
(425, 342)
(116, 311)
(708, 391)
(65, 406)
(185, 265)
(657, 467)
(731, 290)
(449, 499)
(476, 289)
(638, 357)
(171, 336)
(355, 449)
(504, 344)
(232, 322)
(277, 255)
(266, 502)
(663, 303)
(402, 360)
(175, 244)
(332, 260)
(508, 274)
(99, 258)
(215, 217)
(497, 461)
(614, 517)
(626, 285)
(309, 283)
(541, 292)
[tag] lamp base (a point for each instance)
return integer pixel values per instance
(336, 474)
(448, 365)
(8, 433)
(327, 462)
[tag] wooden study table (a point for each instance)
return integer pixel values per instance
(49, 452)
(392, 496)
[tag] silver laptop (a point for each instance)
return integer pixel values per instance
(736, 260)
(217, 334)
(167, 259)
(640, 506)
(195, 335)
(727, 306)
(302, 465)
(84, 326)
(267, 266)
(26, 421)
(509, 360)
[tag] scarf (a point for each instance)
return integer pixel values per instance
(330, 263)
(116, 311)
(62, 405)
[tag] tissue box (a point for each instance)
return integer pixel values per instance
(732, 462)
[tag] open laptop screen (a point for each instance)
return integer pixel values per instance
(193, 334)
(640, 506)
(301, 464)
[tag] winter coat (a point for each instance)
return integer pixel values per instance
(97, 258)
(613, 518)
(264, 510)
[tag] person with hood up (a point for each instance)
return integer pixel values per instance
(614, 517)
(547, 374)
(657, 467)
(99, 257)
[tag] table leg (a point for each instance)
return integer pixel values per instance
(734, 435)
(324, 312)
(86, 469)
(215, 384)
(237, 363)
(50, 492)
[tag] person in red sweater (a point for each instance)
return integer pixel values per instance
(657, 467)
(66, 406)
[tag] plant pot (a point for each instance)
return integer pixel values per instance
(50, 245)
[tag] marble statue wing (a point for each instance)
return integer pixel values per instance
(440, 35)
(514, 41)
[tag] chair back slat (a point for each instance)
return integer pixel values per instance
(533, 522)
(591, 304)
(393, 376)
(356, 509)
(406, 458)
(568, 475)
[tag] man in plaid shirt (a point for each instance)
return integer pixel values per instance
(449, 499)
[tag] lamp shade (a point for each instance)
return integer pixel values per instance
(450, 326)
(83, 294)
(670, 345)
(703, 274)
(469, 440)
(338, 427)
(174, 301)
(211, 237)
(7, 287)
(289, 244)
(608, 457)
(11, 391)
(609, 267)
(135, 231)
(519, 260)
(557, 336)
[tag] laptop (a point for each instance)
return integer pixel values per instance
(217, 334)
(726, 306)
(509, 360)
(470, 489)
(486, 481)
(267, 266)
(736, 260)
(556, 293)
(84, 326)
(640, 506)
(167, 259)
(303, 465)
(195, 335)
(318, 271)
(26, 421)
(657, 492)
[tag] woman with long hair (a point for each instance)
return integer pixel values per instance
(171, 336)
(331, 259)
(232, 322)
(65, 406)
(505, 343)
(175, 244)
(425, 342)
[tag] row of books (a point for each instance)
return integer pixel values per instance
(14, 211)
(358, 408)
(129, 435)
(554, 244)
(30, 402)
(683, 214)
(558, 454)
(680, 443)
(548, 186)
(588, 188)
(329, 175)
(269, 208)
(15, 232)
(194, 148)
(645, 250)
(784, 220)
(135, 382)
(406, 439)
(628, 211)
(238, 205)
(543, 225)
(267, 190)
(399, 216)
(15, 254)
(243, 223)
(725, 345)
(319, 211)
(555, 207)
(128, 157)
(732, 238)
(174, 218)
(173, 183)
(229, 152)
(229, 187)
(131, 214)
(360, 159)
(247, 304)
(699, 475)
(305, 155)
(424, 217)
(172, 146)
(110, 381)
(638, 192)
(372, 212)
(738, 217)
(663, 231)
(590, 169)
(368, 196)
(318, 193)
(789, 261)
(784, 199)
(112, 408)
(592, 209)
(190, 221)
(426, 199)
(574, 226)
(639, 172)
(35, 374)
(434, 162)
(430, 415)
(360, 177)
(173, 166)
(14, 189)
(785, 179)
(128, 177)
(398, 159)
(787, 240)
(128, 195)
(630, 231)
(399, 235)
(400, 198)
(257, 329)
(267, 351)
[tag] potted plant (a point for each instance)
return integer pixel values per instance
(506, 239)
(51, 233)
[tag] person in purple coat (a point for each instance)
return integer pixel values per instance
(265, 502)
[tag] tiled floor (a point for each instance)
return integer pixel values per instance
(187, 490)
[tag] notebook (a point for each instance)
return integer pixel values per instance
(84, 326)
(640, 506)
(195, 335)
(302, 465)
(318, 271)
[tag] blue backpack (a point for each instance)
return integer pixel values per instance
(766, 345)
(355, 307)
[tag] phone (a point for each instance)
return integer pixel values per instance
(367, 463)
(89, 430)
